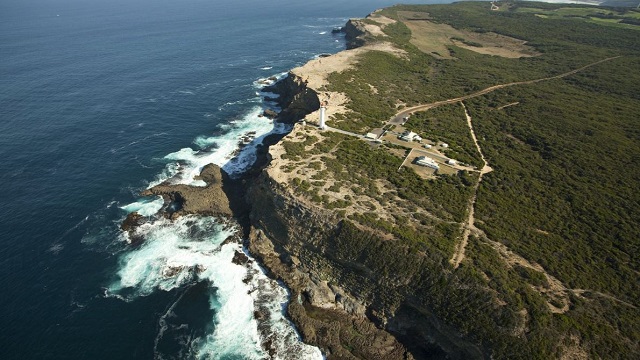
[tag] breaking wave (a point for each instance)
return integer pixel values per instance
(193, 251)
(202, 249)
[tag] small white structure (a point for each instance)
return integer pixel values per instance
(427, 146)
(451, 162)
(323, 109)
(444, 145)
(371, 136)
(428, 162)
(410, 136)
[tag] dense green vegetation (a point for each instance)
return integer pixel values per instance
(447, 124)
(570, 148)
(359, 166)
(563, 193)
(565, 43)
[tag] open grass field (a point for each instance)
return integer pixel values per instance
(615, 17)
(435, 38)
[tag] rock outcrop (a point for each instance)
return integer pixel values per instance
(296, 99)
(343, 281)
(208, 200)
(355, 33)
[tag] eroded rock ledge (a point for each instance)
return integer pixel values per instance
(296, 99)
(355, 33)
(207, 200)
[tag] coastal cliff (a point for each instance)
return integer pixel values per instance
(385, 261)
(345, 280)
(355, 33)
(354, 293)
(295, 98)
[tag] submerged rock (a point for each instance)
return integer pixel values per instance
(239, 258)
(270, 113)
(132, 221)
(130, 224)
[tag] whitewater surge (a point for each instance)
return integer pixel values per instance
(222, 149)
(194, 249)
(180, 254)
(145, 207)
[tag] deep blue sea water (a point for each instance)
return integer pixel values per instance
(101, 99)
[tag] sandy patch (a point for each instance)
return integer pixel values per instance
(316, 72)
(383, 20)
(374, 30)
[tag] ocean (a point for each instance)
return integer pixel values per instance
(100, 100)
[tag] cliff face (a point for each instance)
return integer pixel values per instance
(294, 243)
(296, 99)
(355, 34)
(345, 279)
(355, 294)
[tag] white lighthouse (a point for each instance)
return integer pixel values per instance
(323, 109)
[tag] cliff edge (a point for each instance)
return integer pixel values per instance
(345, 297)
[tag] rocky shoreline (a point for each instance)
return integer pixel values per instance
(344, 306)
(349, 307)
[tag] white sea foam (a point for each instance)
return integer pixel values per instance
(193, 249)
(225, 154)
(145, 207)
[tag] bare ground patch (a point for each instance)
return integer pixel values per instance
(382, 20)
(316, 72)
(386, 204)
(434, 39)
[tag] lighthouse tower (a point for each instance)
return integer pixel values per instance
(323, 109)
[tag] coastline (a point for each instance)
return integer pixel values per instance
(299, 98)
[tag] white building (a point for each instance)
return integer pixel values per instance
(410, 136)
(444, 145)
(427, 161)
(371, 136)
(427, 146)
(451, 162)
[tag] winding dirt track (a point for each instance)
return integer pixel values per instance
(398, 118)
(468, 225)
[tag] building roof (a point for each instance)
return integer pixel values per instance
(427, 161)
